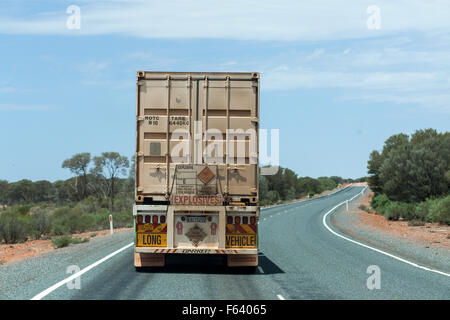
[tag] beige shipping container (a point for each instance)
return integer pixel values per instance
(199, 118)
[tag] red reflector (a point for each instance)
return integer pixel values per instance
(163, 219)
(245, 220)
(237, 220)
(230, 220)
(147, 219)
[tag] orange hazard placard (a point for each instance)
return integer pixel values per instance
(206, 175)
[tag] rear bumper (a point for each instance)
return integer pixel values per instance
(195, 251)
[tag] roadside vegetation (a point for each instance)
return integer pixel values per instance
(64, 241)
(100, 186)
(286, 185)
(410, 177)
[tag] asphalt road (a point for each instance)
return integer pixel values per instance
(299, 259)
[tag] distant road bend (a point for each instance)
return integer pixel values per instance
(302, 256)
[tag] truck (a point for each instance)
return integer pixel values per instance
(197, 150)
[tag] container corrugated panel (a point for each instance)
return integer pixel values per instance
(197, 103)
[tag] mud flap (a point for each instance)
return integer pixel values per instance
(149, 260)
(242, 260)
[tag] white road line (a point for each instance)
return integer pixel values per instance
(375, 249)
(260, 269)
(279, 296)
(79, 273)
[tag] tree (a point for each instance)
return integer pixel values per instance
(107, 168)
(43, 191)
(130, 185)
(78, 165)
(21, 192)
(376, 160)
(4, 185)
(412, 170)
(263, 188)
(288, 187)
(373, 167)
(326, 183)
(337, 180)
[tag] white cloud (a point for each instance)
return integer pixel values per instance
(406, 61)
(233, 19)
(394, 75)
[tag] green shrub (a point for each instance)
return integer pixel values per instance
(379, 202)
(67, 221)
(396, 210)
(14, 225)
(79, 240)
(61, 242)
(124, 202)
(122, 219)
(440, 211)
(40, 223)
(88, 205)
(64, 241)
(422, 209)
(22, 210)
(365, 208)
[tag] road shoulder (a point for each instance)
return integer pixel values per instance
(427, 245)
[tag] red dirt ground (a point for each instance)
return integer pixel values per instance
(431, 234)
(32, 248)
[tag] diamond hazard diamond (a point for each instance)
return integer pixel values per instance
(206, 175)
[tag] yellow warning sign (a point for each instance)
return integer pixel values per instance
(240, 241)
(151, 239)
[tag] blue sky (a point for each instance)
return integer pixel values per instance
(335, 88)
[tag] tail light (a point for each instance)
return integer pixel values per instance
(237, 220)
(245, 220)
(162, 219)
(229, 220)
(147, 219)
(155, 219)
(252, 220)
(140, 219)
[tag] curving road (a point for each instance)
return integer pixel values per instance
(299, 259)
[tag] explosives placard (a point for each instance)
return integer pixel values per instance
(196, 185)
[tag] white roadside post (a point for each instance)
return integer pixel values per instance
(111, 230)
(346, 203)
